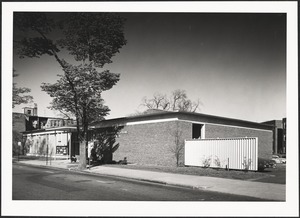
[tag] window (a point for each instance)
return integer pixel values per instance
(198, 131)
(62, 150)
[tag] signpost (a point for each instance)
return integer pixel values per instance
(90, 146)
(19, 148)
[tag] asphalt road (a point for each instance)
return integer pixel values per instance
(36, 183)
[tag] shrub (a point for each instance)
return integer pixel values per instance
(247, 163)
(217, 161)
(206, 162)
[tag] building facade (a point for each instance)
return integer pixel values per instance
(149, 139)
(279, 135)
(284, 135)
(44, 136)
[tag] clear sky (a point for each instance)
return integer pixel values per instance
(234, 63)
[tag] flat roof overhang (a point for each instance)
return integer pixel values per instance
(49, 130)
(181, 116)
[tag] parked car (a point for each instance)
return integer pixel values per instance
(276, 158)
(282, 158)
(279, 159)
(265, 163)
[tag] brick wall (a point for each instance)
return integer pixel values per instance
(149, 144)
(19, 122)
(265, 138)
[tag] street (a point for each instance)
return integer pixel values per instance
(36, 183)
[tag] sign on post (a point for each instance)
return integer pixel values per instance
(90, 146)
(19, 148)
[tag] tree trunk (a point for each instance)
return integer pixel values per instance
(82, 152)
(84, 143)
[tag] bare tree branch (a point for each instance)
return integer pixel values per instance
(177, 101)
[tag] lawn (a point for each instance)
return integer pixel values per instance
(198, 171)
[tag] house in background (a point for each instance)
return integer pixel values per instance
(21, 120)
(148, 139)
(29, 111)
(45, 135)
(279, 135)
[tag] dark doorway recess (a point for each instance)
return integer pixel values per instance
(197, 131)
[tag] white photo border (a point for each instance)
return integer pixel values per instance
(116, 208)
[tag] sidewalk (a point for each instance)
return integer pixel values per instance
(261, 190)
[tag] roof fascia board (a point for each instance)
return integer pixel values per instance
(224, 121)
(54, 132)
(63, 129)
(151, 121)
(192, 117)
(233, 126)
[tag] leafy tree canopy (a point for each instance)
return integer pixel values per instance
(86, 86)
(19, 96)
(88, 37)
(92, 39)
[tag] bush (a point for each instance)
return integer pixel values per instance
(217, 161)
(247, 163)
(264, 163)
(206, 162)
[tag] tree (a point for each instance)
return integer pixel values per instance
(158, 101)
(178, 101)
(18, 94)
(92, 39)
(178, 147)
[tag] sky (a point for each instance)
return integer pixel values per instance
(234, 63)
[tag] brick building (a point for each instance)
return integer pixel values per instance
(284, 135)
(148, 139)
(44, 135)
(279, 135)
(19, 122)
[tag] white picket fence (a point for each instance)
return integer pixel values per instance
(230, 153)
